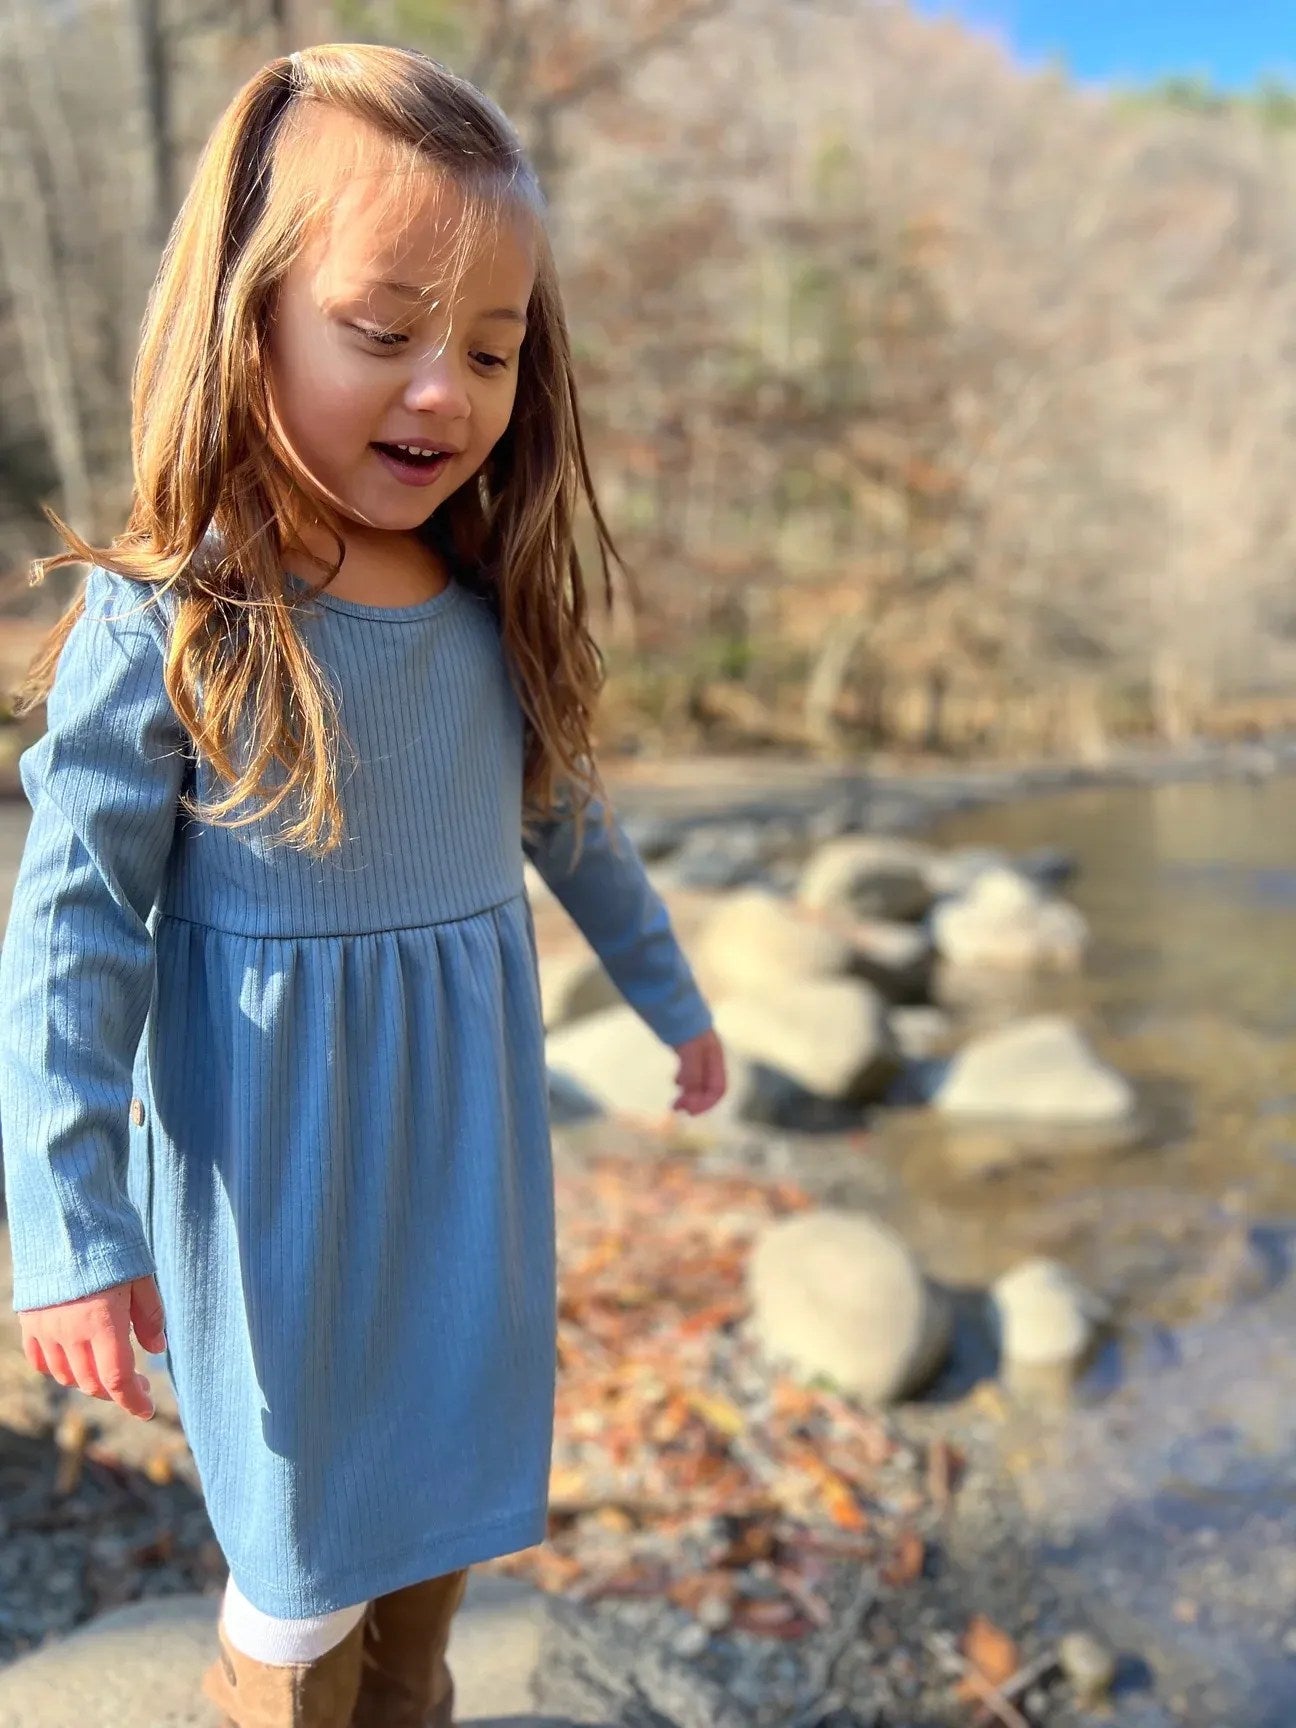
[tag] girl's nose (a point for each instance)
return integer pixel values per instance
(438, 385)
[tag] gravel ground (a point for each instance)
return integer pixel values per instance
(97, 1507)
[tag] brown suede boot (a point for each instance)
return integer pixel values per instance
(317, 1694)
(405, 1681)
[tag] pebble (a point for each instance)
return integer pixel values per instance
(1088, 1664)
(713, 1612)
(691, 1640)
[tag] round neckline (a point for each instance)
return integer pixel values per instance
(388, 614)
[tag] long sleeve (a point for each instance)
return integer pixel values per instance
(621, 915)
(77, 962)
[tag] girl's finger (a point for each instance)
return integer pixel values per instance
(35, 1355)
(57, 1365)
(117, 1372)
(82, 1363)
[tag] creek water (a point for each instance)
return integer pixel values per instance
(1166, 1487)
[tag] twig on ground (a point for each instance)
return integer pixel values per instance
(992, 1697)
(1029, 1674)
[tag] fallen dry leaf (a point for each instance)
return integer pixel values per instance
(905, 1565)
(770, 1617)
(657, 1442)
(718, 1413)
(991, 1651)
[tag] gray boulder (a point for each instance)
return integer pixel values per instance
(612, 1063)
(1044, 1315)
(829, 1035)
(756, 941)
(1005, 920)
(839, 1294)
(870, 876)
(1039, 1071)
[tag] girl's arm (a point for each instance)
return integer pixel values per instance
(76, 967)
(609, 897)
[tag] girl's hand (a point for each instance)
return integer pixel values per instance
(86, 1343)
(701, 1074)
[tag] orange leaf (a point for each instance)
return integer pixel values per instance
(713, 1317)
(990, 1650)
(906, 1562)
(841, 1505)
(567, 1483)
(791, 1400)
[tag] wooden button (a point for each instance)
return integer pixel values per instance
(137, 1112)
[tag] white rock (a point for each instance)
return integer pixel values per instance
(830, 1035)
(1090, 1666)
(574, 985)
(1006, 920)
(756, 940)
(615, 1060)
(1044, 1314)
(840, 1294)
(611, 1061)
(1040, 1071)
(1005, 890)
(871, 876)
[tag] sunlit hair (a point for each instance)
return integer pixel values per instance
(218, 494)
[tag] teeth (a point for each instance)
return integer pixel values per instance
(418, 450)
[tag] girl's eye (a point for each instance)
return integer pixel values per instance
(390, 339)
(379, 336)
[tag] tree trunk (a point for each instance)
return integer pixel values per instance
(28, 260)
(154, 61)
(827, 680)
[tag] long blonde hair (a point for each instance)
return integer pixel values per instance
(209, 469)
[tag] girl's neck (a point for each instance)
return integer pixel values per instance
(378, 570)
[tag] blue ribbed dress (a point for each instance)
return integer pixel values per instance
(310, 1094)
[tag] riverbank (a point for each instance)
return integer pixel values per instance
(1039, 1522)
(888, 796)
(885, 795)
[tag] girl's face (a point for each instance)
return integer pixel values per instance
(357, 361)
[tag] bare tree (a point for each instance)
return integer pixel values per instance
(35, 285)
(150, 29)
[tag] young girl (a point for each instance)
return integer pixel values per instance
(271, 1051)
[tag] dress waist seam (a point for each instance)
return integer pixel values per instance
(335, 935)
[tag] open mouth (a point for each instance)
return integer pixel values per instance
(411, 466)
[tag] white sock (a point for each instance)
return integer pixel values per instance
(266, 1638)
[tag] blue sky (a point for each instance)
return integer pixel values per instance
(1233, 42)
